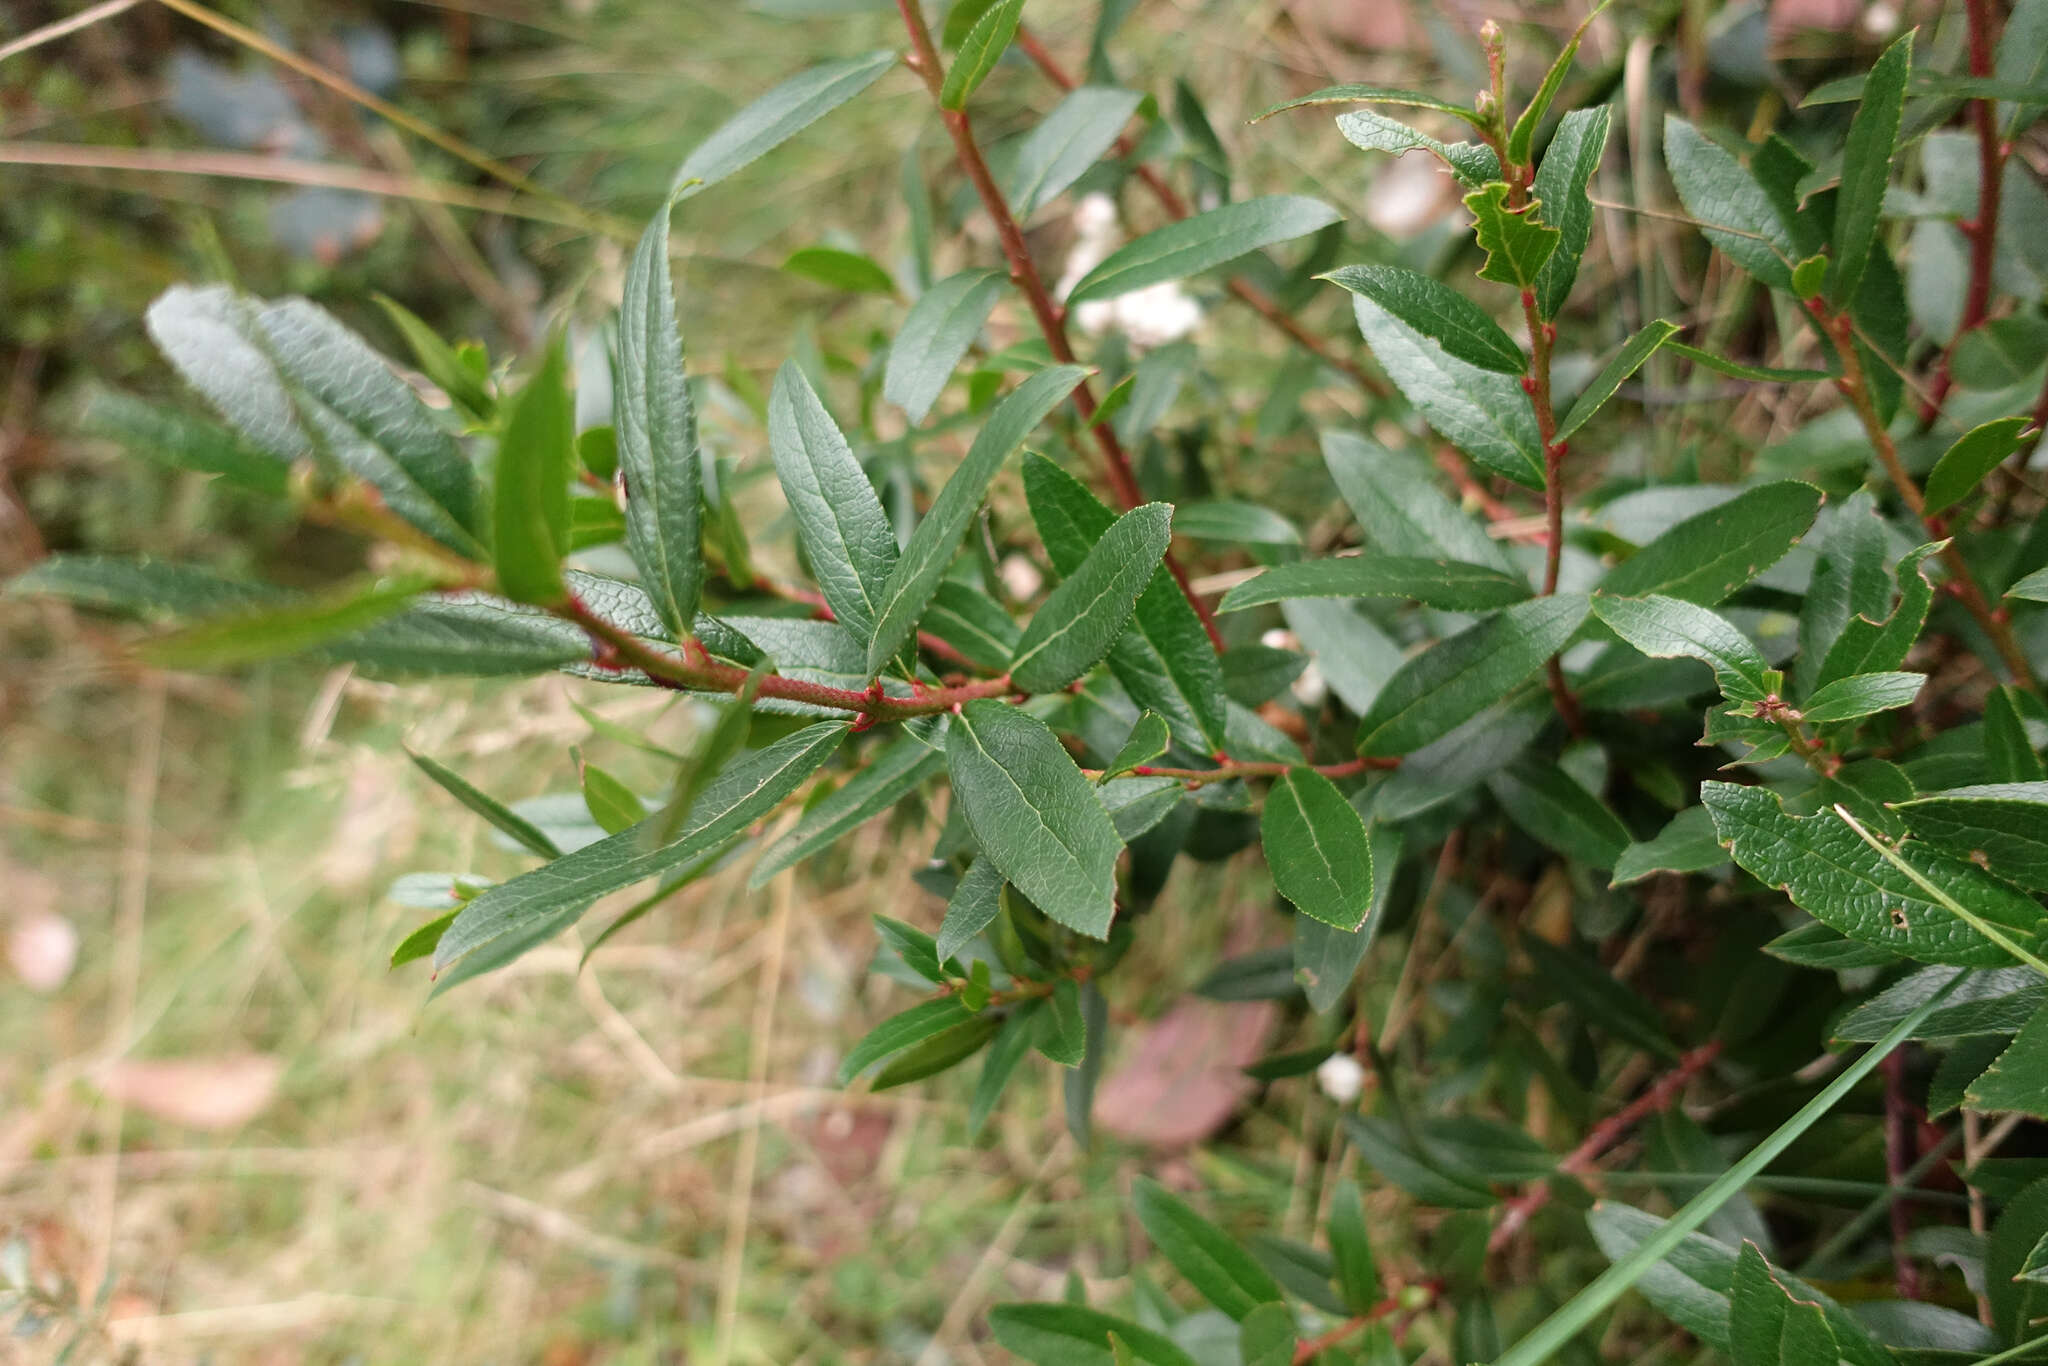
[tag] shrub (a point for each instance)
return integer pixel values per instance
(1687, 774)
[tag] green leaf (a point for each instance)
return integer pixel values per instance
(937, 332)
(2018, 1080)
(1762, 374)
(437, 360)
(2017, 1305)
(1456, 679)
(727, 736)
(1557, 810)
(972, 623)
(1213, 1262)
(496, 812)
(1431, 307)
(837, 268)
(916, 577)
(181, 441)
(1326, 958)
(421, 941)
(1624, 363)
(1233, 521)
(893, 774)
(1732, 209)
(1206, 240)
(1073, 137)
(937, 1053)
(1483, 414)
(1686, 844)
(1446, 584)
(1062, 1032)
(1522, 137)
(1266, 1337)
(613, 805)
(1147, 741)
(1011, 1045)
(558, 892)
(1399, 508)
(1377, 94)
(1866, 645)
(911, 1027)
(2032, 588)
(1033, 814)
(1597, 997)
(1517, 242)
(262, 632)
(1381, 1148)
(1075, 1335)
(1867, 167)
(1255, 674)
(2001, 353)
(1706, 557)
(1976, 453)
(1670, 628)
(2023, 61)
(300, 386)
(1317, 850)
(1560, 186)
(776, 117)
(1358, 1277)
(656, 431)
(1834, 876)
(2009, 755)
(1977, 1003)
(2002, 825)
(1848, 580)
(839, 522)
(1768, 1325)
(535, 456)
(1083, 617)
(1473, 163)
(979, 52)
(1164, 661)
(975, 903)
(1814, 945)
(1845, 699)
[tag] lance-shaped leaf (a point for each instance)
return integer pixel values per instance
(980, 50)
(1760, 374)
(1768, 1325)
(1670, 628)
(839, 521)
(1614, 374)
(1082, 618)
(973, 907)
(1445, 584)
(1327, 958)
(1473, 163)
(1976, 453)
(775, 117)
(289, 627)
(1454, 680)
(1522, 137)
(1867, 645)
(2032, 588)
(1517, 241)
(1035, 817)
(917, 574)
(1552, 806)
(1484, 414)
(1846, 699)
(140, 586)
(973, 623)
(1833, 875)
(1399, 507)
(1054, 1334)
(892, 775)
(1867, 168)
(1378, 94)
(467, 388)
(1686, 844)
(1358, 1277)
(535, 456)
(560, 891)
(1317, 850)
(940, 327)
(1706, 557)
(490, 808)
(1438, 312)
(182, 441)
(2001, 825)
(904, 1030)
(657, 436)
(1165, 661)
(1732, 210)
(1206, 240)
(837, 268)
(299, 385)
(1147, 741)
(613, 805)
(2009, 755)
(461, 634)
(1996, 1002)
(1215, 1264)
(2018, 1080)
(1068, 141)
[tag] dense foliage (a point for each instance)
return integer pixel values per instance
(1696, 767)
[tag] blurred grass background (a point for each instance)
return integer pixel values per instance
(229, 1133)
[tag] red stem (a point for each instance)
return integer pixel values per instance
(1196, 777)
(1305, 1352)
(1898, 1139)
(1661, 1096)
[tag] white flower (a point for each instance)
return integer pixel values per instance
(43, 948)
(1021, 578)
(1342, 1077)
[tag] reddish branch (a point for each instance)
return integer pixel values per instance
(1255, 768)
(924, 59)
(1898, 1139)
(1982, 229)
(1306, 1351)
(1177, 208)
(1661, 1096)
